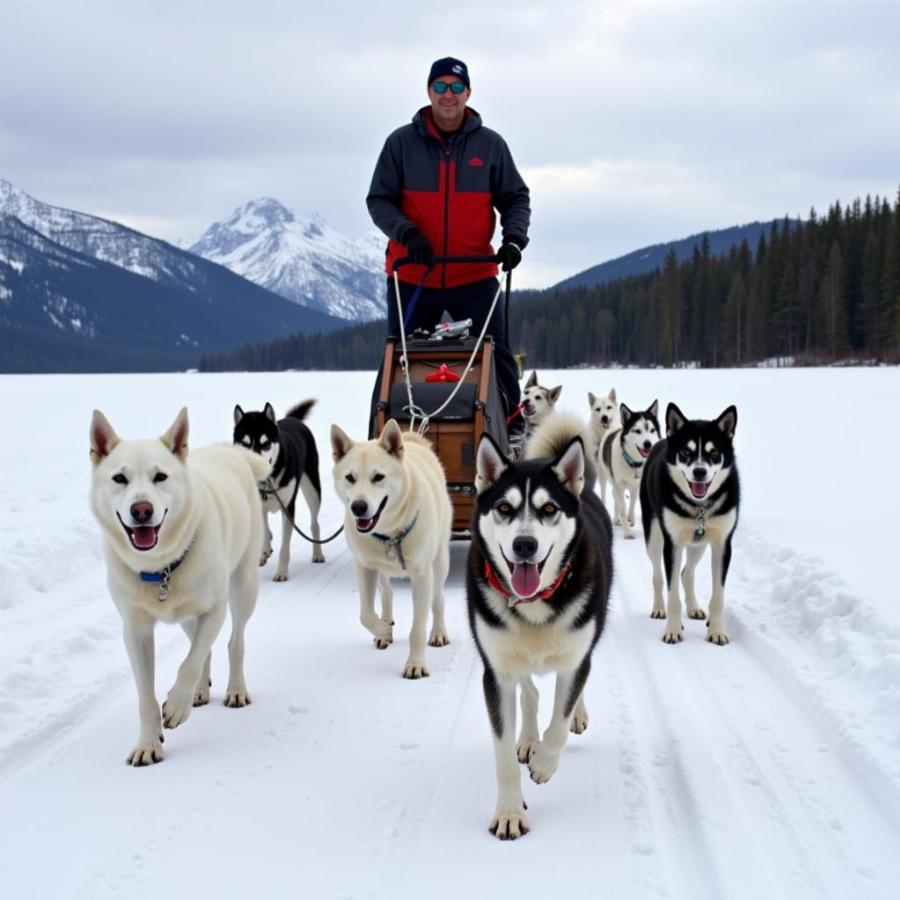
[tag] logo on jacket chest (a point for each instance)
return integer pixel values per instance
(476, 161)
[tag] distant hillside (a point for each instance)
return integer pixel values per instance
(65, 310)
(638, 262)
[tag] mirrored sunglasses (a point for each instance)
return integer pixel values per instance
(440, 87)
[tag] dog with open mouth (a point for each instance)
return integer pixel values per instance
(537, 403)
(182, 535)
(621, 462)
(397, 523)
(690, 496)
(538, 580)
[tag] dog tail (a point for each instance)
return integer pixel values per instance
(258, 465)
(301, 410)
(554, 434)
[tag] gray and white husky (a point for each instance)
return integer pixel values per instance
(537, 403)
(690, 497)
(622, 456)
(539, 575)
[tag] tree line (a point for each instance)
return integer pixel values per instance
(821, 290)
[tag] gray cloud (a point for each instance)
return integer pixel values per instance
(633, 122)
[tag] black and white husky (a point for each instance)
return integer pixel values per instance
(289, 447)
(539, 574)
(622, 457)
(689, 498)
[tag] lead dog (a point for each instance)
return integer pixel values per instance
(182, 536)
(539, 574)
(397, 523)
(288, 446)
(622, 457)
(690, 496)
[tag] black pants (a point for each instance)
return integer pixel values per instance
(466, 301)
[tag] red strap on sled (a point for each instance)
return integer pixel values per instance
(514, 414)
(442, 373)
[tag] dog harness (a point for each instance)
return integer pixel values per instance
(494, 581)
(393, 546)
(162, 577)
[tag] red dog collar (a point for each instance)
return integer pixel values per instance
(545, 594)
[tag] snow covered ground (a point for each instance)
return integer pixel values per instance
(767, 768)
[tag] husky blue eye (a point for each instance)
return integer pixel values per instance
(120, 479)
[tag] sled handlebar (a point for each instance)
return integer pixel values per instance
(441, 260)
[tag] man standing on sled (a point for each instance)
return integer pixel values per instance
(436, 186)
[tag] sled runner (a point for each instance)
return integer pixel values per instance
(446, 389)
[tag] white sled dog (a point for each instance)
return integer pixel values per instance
(182, 537)
(537, 403)
(622, 457)
(397, 522)
(604, 417)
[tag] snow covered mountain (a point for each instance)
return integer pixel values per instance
(305, 261)
(80, 293)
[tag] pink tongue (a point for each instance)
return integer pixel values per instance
(525, 579)
(144, 537)
(699, 489)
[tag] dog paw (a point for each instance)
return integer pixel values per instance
(618, 520)
(509, 824)
(280, 576)
(177, 708)
(543, 764)
(383, 643)
(657, 613)
(264, 557)
(415, 670)
(716, 636)
(235, 698)
(201, 696)
(673, 635)
(696, 614)
(628, 535)
(318, 557)
(438, 639)
(525, 748)
(146, 753)
(579, 723)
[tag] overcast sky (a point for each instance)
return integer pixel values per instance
(632, 122)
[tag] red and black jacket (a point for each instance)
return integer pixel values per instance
(449, 191)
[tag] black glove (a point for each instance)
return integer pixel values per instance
(509, 256)
(418, 249)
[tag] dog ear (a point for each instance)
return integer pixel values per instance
(392, 439)
(555, 392)
(625, 414)
(569, 467)
(612, 396)
(176, 438)
(238, 413)
(340, 443)
(654, 409)
(675, 419)
(103, 437)
(270, 412)
(591, 400)
(728, 421)
(490, 463)
(532, 380)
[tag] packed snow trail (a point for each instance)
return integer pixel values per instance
(766, 768)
